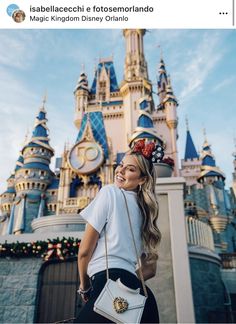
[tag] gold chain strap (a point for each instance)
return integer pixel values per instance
(135, 247)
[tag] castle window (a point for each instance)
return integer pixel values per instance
(102, 90)
(102, 84)
(102, 95)
(26, 172)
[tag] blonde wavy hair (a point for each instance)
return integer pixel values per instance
(148, 204)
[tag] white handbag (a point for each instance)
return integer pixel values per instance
(118, 302)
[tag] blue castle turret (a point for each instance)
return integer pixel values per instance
(31, 179)
(82, 83)
(209, 170)
(190, 150)
(162, 82)
(7, 200)
(145, 128)
(219, 207)
(191, 164)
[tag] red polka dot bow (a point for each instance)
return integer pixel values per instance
(145, 149)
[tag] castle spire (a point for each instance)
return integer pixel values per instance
(40, 131)
(32, 173)
(190, 150)
(44, 102)
(169, 93)
(81, 94)
(82, 81)
(162, 80)
(170, 105)
(187, 123)
(136, 83)
(208, 167)
(205, 143)
(191, 164)
(135, 63)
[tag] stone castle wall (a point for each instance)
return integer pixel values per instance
(18, 289)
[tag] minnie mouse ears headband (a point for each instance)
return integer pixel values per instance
(151, 151)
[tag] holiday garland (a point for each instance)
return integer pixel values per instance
(49, 249)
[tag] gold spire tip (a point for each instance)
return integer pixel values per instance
(204, 133)
(161, 51)
(44, 101)
(187, 123)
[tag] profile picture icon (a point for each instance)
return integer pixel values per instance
(18, 16)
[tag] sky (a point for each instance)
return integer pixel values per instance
(201, 64)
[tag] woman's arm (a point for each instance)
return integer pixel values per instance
(86, 249)
(148, 267)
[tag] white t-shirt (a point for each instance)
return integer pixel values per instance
(109, 207)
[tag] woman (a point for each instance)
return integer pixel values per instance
(18, 16)
(135, 177)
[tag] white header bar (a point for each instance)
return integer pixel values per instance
(73, 14)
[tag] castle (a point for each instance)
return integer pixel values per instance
(110, 117)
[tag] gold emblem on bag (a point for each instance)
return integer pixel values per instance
(120, 304)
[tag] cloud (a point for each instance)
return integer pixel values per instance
(21, 42)
(16, 109)
(224, 83)
(190, 56)
(198, 64)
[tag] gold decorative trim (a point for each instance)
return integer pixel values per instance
(120, 305)
(206, 169)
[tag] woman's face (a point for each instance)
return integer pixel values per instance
(128, 175)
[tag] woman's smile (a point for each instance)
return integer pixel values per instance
(128, 174)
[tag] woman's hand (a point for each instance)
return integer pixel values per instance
(85, 293)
